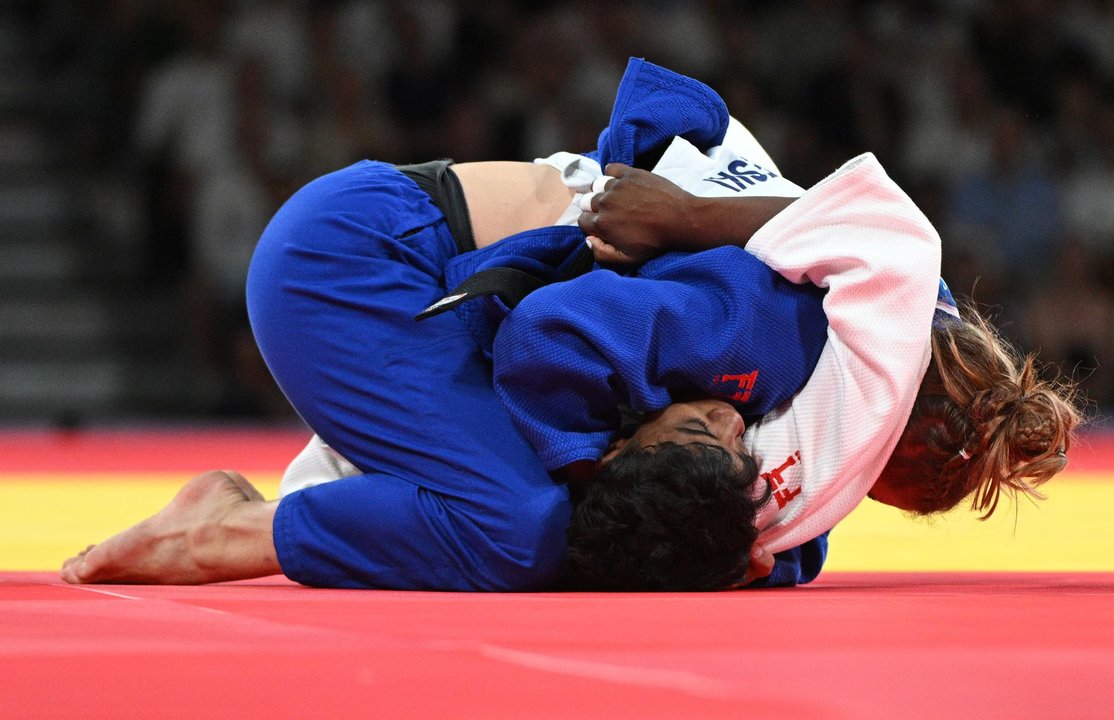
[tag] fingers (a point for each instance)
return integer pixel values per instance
(590, 204)
(617, 170)
(606, 254)
(589, 201)
(761, 561)
(759, 565)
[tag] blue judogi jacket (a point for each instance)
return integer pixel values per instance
(717, 323)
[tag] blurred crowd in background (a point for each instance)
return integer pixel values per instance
(202, 116)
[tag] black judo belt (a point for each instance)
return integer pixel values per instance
(510, 285)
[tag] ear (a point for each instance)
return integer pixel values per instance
(617, 446)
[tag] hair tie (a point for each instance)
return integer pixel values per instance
(946, 312)
(964, 454)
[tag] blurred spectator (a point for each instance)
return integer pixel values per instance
(101, 72)
(1089, 25)
(185, 115)
(1011, 210)
(276, 34)
(952, 140)
(233, 203)
(677, 35)
(547, 86)
(797, 40)
(423, 80)
(1089, 189)
(1012, 41)
(854, 104)
(184, 128)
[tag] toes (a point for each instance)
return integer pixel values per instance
(73, 570)
(97, 563)
(71, 563)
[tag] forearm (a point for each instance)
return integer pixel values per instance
(717, 221)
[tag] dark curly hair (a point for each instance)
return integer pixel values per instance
(666, 518)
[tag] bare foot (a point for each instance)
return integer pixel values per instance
(216, 528)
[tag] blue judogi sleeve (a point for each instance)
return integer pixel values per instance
(652, 106)
(717, 323)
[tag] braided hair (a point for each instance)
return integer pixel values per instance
(985, 423)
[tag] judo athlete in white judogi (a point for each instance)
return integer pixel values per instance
(856, 235)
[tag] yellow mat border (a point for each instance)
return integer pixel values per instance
(45, 518)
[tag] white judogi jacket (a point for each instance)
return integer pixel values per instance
(858, 234)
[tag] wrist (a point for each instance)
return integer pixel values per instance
(731, 221)
(695, 225)
(714, 222)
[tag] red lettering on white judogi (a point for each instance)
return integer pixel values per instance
(782, 492)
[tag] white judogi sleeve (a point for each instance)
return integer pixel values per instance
(317, 463)
(858, 234)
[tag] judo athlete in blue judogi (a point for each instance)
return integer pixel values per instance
(451, 496)
(448, 493)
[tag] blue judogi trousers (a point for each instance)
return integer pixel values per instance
(452, 497)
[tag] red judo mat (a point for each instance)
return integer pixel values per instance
(857, 646)
(850, 646)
